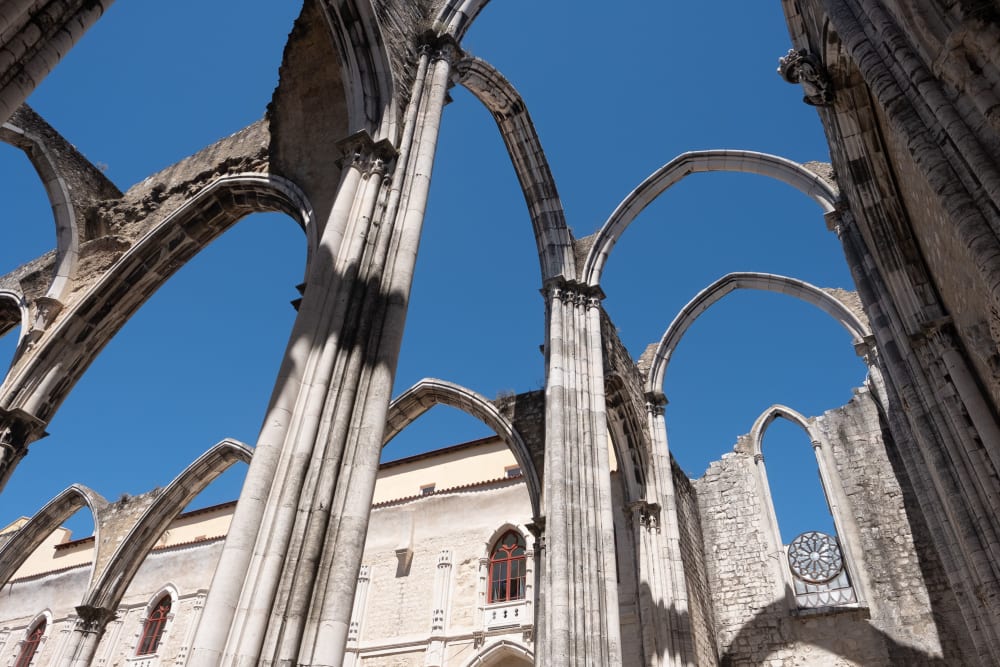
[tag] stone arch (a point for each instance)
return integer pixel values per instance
(41, 383)
(552, 236)
(54, 514)
(501, 654)
(365, 65)
(673, 172)
(768, 282)
(67, 232)
(767, 418)
(13, 312)
(429, 392)
(628, 432)
(122, 565)
(845, 526)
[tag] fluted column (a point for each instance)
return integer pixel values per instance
(938, 450)
(284, 588)
(580, 625)
(34, 42)
(87, 632)
(663, 597)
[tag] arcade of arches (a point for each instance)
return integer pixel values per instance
(571, 537)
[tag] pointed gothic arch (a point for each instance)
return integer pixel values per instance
(858, 329)
(673, 172)
(503, 653)
(13, 312)
(15, 552)
(121, 567)
(44, 380)
(429, 392)
(845, 526)
(552, 236)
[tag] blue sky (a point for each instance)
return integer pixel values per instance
(613, 95)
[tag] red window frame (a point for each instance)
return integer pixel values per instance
(152, 630)
(507, 569)
(30, 645)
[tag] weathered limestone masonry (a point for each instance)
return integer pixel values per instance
(905, 616)
(910, 114)
(640, 567)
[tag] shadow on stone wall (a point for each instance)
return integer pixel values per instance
(825, 631)
(953, 636)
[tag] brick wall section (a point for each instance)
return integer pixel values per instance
(902, 623)
(692, 542)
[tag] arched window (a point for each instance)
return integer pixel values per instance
(30, 645)
(152, 631)
(507, 568)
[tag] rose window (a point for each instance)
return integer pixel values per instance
(815, 557)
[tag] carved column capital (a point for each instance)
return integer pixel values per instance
(362, 151)
(92, 620)
(805, 68)
(573, 292)
(656, 402)
(647, 513)
(18, 429)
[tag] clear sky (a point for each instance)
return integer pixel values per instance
(613, 94)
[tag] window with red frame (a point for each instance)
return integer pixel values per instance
(507, 569)
(30, 645)
(152, 631)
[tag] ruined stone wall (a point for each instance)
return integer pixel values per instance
(907, 592)
(738, 574)
(700, 610)
(897, 621)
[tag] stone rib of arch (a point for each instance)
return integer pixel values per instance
(457, 15)
(143, 269)
(116, 575)
(67, 234)
(768, 416)
(31, 535)
(429, 392)
(13, 312)
(497, 651)
(552, 236)
(695, 162)
(731, 282)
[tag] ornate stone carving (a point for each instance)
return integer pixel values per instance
(92, 619)
(648, 514)
(804, 68)
(815, 557)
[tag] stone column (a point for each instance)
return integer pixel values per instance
(38, 41)
(663, 597)
(18, 429)
(930, 448)
(580, 626)
(284, 588)
(86, 635)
